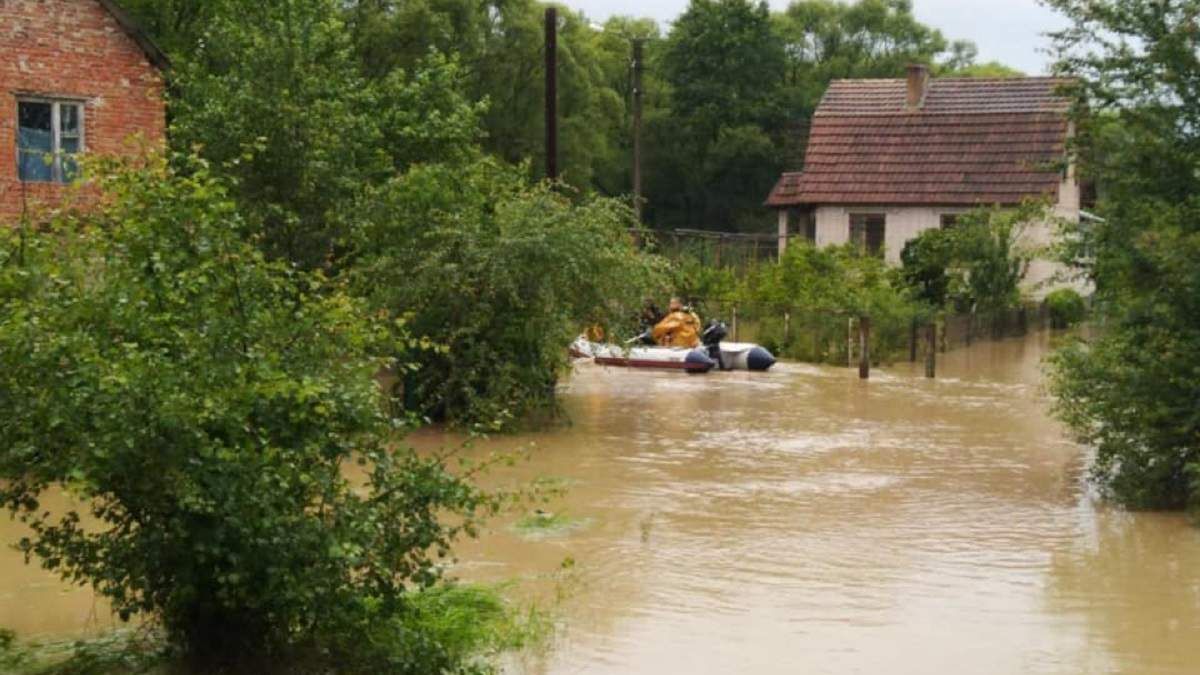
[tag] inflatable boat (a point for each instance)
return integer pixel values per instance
(714, 353)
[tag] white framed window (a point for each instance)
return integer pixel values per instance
(49, 136)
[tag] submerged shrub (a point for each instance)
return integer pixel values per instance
(202, 401)
(1066, 307)
(820, 290)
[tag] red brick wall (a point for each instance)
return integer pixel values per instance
(74, 49)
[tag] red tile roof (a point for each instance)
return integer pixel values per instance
(973, 141)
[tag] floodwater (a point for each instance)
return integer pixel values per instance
(803, 521)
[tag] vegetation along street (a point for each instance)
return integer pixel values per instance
(500, 336)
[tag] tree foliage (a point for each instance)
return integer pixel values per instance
(503, 273)
(827, 40)
(990, 69)
(274, 97)
(837, 280)
(975, 266)
(727, 93)
(824, 288)
(202, 401)
(1131, 391)
(1066, 308)
(500, 45)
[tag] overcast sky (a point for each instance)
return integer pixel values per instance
(1009, 31)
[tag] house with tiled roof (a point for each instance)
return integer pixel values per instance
(888, 159)
(76, 76)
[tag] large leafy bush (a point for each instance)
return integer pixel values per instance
(503, 274)
(820, 290)
(202, 402)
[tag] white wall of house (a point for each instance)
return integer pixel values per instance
(906, 222)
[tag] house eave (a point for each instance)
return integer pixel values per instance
(153, 53)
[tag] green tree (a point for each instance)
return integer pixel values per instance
(177, 26)
(501, 46)
(502, 272)
(927, 263)
(724, 65)
(827, 40)
(1131, 392)
(202, 401)
(990, 69)
(274, 97)
(977, 265)
(992, 258)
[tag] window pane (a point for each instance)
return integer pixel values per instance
(875, 235)
(868, 232)
(70, 167)
(70, 139)
(857, 231)
(35, 116)
(68, 115)
(35, 141)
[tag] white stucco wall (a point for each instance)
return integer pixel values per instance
(905, 222)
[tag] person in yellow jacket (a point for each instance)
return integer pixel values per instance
(680, 328)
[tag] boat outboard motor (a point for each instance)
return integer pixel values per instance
(712, 336)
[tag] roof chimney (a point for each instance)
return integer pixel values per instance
(918, 85)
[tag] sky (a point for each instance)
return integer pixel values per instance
(1009, 31)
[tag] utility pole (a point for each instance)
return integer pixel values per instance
(637, 126)
(552, 93)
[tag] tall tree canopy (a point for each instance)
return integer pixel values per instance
(728, 91)
(715, 156)
(827, 40)
(1132, 392)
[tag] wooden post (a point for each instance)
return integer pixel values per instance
(931, 348)
(912, 342)
(735, 324)
(552, 93)
(850, 342)
(864, 348)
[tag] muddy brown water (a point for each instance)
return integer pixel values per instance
(803, 521)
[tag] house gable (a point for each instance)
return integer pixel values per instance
(153, 54)
(88, 53)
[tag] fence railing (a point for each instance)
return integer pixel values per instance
(827, 337)
(736, 250)
(838, 339)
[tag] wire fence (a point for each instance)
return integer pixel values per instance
(822, 337)
(733, 250)
(819, 337)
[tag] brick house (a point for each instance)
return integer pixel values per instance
(888, 159)
(75, 76)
